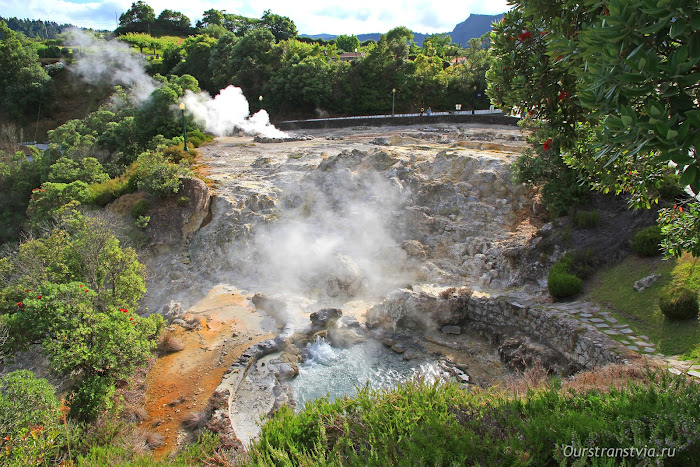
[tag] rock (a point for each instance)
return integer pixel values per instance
(286, 371)
(323, 319)
(345, 336)
(270, 305)
(414, 248)
(342, 277)
(646, 282)
(172, 312)
(451, 330)
(410, 354)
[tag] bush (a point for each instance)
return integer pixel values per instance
(679, 303)
(566, 276)
(92, 397)
(563, 285)
(587, 219)
(670, 187)
(647, 242)
(140, 208)
(157, 176)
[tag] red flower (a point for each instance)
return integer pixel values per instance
(81, 286)
(525, 35)
(547, 145)
(27, 290)
(87, 290)
(20, 304)
(564, 95)
(131, 319)
(38, 297)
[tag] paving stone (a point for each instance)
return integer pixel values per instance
(611, 320)
(597, 320)
(586, 315)
(633, 347)
(694, 373)
(611, 332)
(626, 331)
(601, 325)
(620, 326)
(649, 349)
(644, 337)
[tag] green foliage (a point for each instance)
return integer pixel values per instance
(561, 284)
(24, 84)
(26, 401)
(104, 193)
(587, 219)
(88, 170)
(566, 276)
(420, 424)
(50, 201)
(92, 397)
(647, 242)
(347, 43)
(679, 303)
(157, 176)
(681, 229)
(29, 415)
(140, 208)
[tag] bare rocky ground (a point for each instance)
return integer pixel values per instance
(335, 219)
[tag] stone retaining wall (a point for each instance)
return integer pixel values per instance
(579, 342)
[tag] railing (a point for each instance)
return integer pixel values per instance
(417, 114)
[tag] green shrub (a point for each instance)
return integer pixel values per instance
(140, 208)
(182, 201)
(587, 219)
(647, 242)
(563, 285)
(670, 187)
(92, 397)
(679, 303)
(157, 176)
(566, 276)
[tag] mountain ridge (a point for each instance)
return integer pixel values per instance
(476, 25)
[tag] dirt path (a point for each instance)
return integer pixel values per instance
(182, 382)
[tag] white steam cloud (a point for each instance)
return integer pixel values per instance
(227, 112)
(111, 62)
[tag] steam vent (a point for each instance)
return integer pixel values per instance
(312, 263)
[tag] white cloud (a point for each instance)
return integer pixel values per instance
(310, 17)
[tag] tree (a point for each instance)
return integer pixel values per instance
(137, 18)
(173, 20)
(347, 43)
(281, 27)
(627, 102)
(24, 85)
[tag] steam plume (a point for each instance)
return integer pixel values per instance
(229, 111)
(111, 62)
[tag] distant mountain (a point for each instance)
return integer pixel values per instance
(474, 26)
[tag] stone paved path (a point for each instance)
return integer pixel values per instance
(591, 313)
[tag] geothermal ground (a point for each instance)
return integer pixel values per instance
(340, 221)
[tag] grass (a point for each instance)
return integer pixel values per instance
(423, 424)
(613, 289)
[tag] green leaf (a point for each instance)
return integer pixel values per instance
(626, 120)
(689, 175)
(671, 134)
(677, 29)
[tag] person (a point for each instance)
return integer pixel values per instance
(422, 111)
(430, 111)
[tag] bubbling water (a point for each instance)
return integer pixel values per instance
(337, 372)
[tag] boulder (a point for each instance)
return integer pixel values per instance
(646, 282)
(325, 318)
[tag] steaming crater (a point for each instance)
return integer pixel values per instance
(338, 221)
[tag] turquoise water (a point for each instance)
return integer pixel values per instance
(337, 372)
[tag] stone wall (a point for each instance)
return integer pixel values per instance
(579, 342)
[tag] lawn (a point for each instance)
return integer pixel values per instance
(613, 289)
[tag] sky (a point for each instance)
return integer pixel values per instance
(310, 16)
